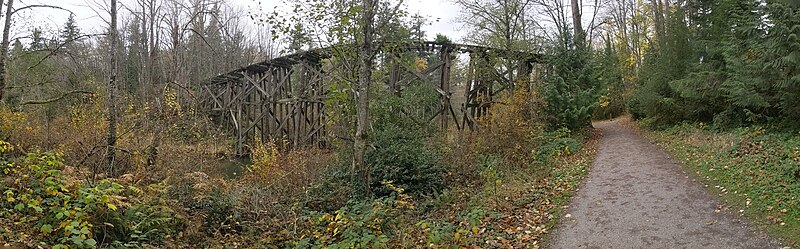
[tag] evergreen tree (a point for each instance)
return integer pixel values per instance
(572, 89)
(70, 31)
(37, 40)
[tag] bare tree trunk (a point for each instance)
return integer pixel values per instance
(152, 81)
(111, 118)
(658, 12)
(360, 168)
(580, 37)
(4, 47)
(144, 70)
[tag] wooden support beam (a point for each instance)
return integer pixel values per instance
(444, 86)
(394, 78)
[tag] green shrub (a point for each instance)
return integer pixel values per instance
(402, 157)
(331, 191)
(220, 215)
(356, 226)
(403, 151)
(360, 224)
(65, 213)
(557, 143)
(463, 232)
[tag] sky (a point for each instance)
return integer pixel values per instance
(86, 14)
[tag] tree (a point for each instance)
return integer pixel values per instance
(4, 47)
(658, 13)
(573, 88)
(365, 56)
(111, 118)
(504, 24)
(330, 24)
(728, 62)
(70, 31)
(580, 35)
(10, 11)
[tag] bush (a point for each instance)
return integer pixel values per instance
(507, 140)
(401, 157)
(557, 143)
(403, 151)
(510, 130)
(64, 212)
(360, 224)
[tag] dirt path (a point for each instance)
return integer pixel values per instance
(636, 196)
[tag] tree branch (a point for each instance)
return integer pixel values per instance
(41, 6)
(54, 51)
(46, 101)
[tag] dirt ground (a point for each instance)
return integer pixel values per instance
(637, 196)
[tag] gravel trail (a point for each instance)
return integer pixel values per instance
(637, 196)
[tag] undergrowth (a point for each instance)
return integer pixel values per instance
(503, 186)
(43, 207)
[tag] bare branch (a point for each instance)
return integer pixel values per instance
(51, 100)
(54, 51)
(41, 6)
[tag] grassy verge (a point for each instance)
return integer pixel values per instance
(757, 171)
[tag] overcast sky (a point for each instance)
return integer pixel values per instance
(86, 12)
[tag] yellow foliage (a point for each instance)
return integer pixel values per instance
(604, 101)
(171, 100)
(403, 200)
(273, 163)
(509, 130)
(20, 129)
(5, 147)
(265, 158)
(421, 64)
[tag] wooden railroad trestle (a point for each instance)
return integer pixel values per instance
(284, 98)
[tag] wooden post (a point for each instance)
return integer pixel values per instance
(445, 87)
(523, 73)
(487, 82)
(394, 77)
(238, 121)
(468, 111)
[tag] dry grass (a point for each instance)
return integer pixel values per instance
(80, 137)
(290, 172)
